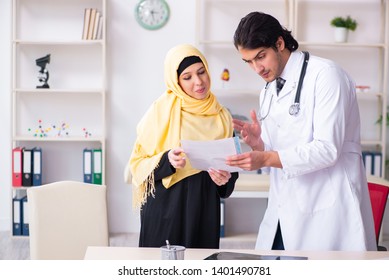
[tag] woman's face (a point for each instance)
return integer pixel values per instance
(194, 81)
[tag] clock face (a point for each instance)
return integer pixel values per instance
(152, 14)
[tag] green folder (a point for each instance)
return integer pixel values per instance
(97, 167)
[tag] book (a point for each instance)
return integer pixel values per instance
(96, 24)
(87, 14)
(100, 29)
(91, 23)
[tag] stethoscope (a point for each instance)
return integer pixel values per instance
(294, 109)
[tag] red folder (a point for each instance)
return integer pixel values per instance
(17, 164)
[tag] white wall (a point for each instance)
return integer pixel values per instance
(5, 114)
(135, 78)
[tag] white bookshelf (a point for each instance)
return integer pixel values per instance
(364, 55)
(73, 110)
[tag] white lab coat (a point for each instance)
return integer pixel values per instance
(320, 196)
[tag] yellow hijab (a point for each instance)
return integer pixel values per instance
(172, 117)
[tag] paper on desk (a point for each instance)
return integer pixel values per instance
(212, 154)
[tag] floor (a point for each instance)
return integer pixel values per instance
(17, 248)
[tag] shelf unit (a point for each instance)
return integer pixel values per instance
(70, 115)
(216, 21)
(366, 48)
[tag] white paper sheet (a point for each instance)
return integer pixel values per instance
(203, 155)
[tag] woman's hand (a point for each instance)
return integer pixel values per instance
(220, 177)
(177, 158)
(250, 132)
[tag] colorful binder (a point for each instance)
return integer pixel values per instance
(25, 220)
(368, 162)
(377, 164)
(222, 212)
(17, 166)
(37, 166)
(27, 168)
(373, 163)
(16, 216)
(87, 165)
(97, 167)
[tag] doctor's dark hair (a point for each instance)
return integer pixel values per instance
(258, 30)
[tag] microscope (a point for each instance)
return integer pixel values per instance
(43, 72)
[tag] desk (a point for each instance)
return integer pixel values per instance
(378, 180)
(257, 185)
(135, 253)
(252, 186)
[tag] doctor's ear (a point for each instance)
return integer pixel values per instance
(280, 44)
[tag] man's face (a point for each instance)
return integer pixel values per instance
(266, 62)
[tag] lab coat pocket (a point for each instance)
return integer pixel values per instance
(298, 127)
(314, 192)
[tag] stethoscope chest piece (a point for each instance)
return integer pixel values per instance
(294, 109)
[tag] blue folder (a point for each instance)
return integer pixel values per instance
(24, 214)
(222, 213)
(377, 164)
(17, 216)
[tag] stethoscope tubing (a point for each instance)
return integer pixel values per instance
(294, 109)
(298, 92)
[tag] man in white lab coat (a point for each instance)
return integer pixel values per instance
(308, 141)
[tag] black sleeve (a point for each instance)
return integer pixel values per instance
(227, 189)
(164, 168)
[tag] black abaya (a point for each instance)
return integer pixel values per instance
(187, 214)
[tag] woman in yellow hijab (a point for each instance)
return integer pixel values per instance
(179, 203)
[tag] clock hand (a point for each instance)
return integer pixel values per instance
(153, 13)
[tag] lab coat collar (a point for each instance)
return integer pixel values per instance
(291, 73)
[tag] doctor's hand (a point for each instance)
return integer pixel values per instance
(220, 177)
(177, 158)
(250, 132)
(255, 160)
